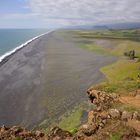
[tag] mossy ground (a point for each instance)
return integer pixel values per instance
(73, 119)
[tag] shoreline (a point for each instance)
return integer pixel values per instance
(6, 56)
(51, 66)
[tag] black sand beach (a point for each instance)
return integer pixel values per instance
(46, 78)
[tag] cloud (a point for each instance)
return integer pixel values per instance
(58, 13)
(69, 12)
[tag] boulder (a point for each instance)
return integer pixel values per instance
(130, 54)
(90, 117)
(126, 115)
(93, 93)
(57, 132)
(104, 115)
(88, 130)
(115, 114)
(101, 125)
(136, 116)
(15, 132)
(39, 134)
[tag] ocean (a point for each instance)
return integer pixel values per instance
(13, 39)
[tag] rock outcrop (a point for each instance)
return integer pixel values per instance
(19, 133)
(57, 133)
(130, 54)
(103, 121)
(101, 99)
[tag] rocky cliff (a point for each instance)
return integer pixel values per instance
(106, 121)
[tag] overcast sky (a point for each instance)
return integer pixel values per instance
(57, 13)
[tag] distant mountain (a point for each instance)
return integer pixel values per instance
(124, 25)
(108, 26)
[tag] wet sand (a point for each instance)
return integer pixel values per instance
(46, 78)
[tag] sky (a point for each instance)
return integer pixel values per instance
(60, 13)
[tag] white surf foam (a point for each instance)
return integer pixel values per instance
(21, 46)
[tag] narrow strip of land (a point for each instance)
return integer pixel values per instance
(46, 78)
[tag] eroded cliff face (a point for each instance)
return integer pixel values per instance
(106, 121)
(19, 133)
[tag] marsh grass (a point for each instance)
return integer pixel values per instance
(73, 119)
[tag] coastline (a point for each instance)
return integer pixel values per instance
(47, 78)
(6, 56)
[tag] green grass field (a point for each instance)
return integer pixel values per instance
(122, 70)
(123, 74)
(132, 34)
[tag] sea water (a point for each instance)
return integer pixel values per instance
(14, 39)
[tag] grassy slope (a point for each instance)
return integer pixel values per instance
(123, 73)
(121, 70)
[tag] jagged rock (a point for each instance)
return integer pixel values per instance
(79, 136)
(57, 132)
(98, 109)
(126, 115)
(93, 94)
(104, 121)
(15, 132)
(101, 125)
(130, 54)
(39, 134)
(114, 113)
(136, 116)
(90, 117)
(3, 129)
(104, 115)
(102, 99)
(89, 130)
